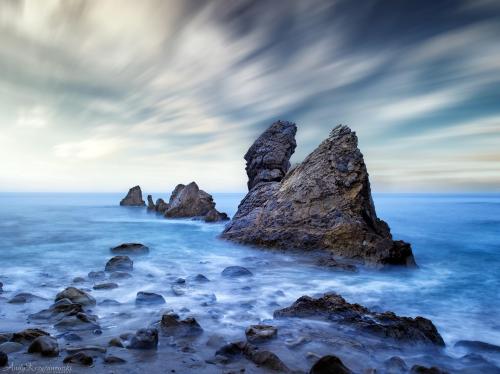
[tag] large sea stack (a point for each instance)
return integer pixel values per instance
(323, 203)
(133, 198)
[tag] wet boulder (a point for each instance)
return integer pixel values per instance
(133, 198)
(79, 358)
(77, 322)
(119, 263)
(261, 333)
(11, 347)
(23, 298)
(113, 360)
(28, 335)
(78, 280)
(329, 365)
(105, 286)
(119, 275)
(172, 325)
(76, 295)
(419, 369)
(144, 339)
(191, 202)
(200, 278)
(45, 345)
(395, 365)
(130, 249)
(260, 357)
(97, 275)
(149, 298)
(323, 203)
(335, 308)
(236, 271)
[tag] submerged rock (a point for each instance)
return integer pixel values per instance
(236, 271)
(477, 345)
(80, 358)
(144, 339)
(329, 365)
(45, 345)
(23, 298)
(4, 359)
(105, 286)
(172, 325)
(97, 275)
(260, 333)
(120, 275)
(119, 263)
(130, 249)
(75, 295)
(323, 203)
(260, 357)
(148, 298)
(190, 201)
(112, 360)
(27, 335)
(419, 369)
(133, 198)
(11, 347)
(395, 365)
(335, 308)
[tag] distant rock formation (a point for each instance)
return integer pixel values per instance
(133, 198)
(323, 203)
(151, 204)
(190, 201)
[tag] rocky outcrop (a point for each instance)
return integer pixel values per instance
(329, 365)
(130, 249)
(161, 206)
(323, 203)
(133, 198)
(268, 159)
(190, 201)
(335, 308)
(151, 204)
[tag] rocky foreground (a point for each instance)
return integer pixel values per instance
(324, 202)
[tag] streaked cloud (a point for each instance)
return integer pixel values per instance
(138, 88)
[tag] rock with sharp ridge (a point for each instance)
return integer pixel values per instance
(333, 307)
(191, 202)
(133, 198)
(323, 203)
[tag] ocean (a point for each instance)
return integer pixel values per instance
(47, 239)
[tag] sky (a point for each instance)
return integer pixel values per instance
(102, 95)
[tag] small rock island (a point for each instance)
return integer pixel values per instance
(324, 202)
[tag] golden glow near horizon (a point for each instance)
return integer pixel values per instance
(103, 95)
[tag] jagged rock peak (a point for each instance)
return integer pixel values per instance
(323, 203)
(268, 159)
(133, 198)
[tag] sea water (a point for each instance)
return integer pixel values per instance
(46, 240)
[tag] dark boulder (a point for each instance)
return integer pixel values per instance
(260, 357)
(419, 369)
(144, 339)
(236, 271)
(80, 358)
(172, 325)
(260, 333)
(23, 298)
(119, 263)
(200, 278)
(28, 335)
(335, 308)
(45, 345)
(130, 249)
(148, 298)
(133, 198)
(97, 275)
(113, 360)
(76, 295)
(4, 359)
(105, 286)
(329, 365)
(189, 201)
(323, 203)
